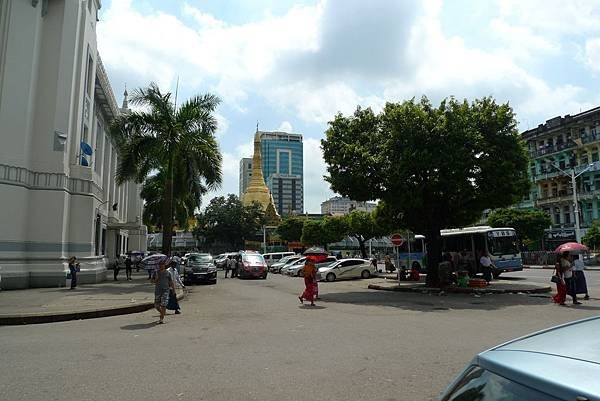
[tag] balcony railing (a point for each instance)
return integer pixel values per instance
(549, 149)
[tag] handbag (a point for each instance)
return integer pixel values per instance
(555, 279)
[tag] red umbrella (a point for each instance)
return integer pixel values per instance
(572, 247)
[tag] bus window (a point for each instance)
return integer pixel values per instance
(502, 245)
(479, 240)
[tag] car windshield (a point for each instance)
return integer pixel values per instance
(478, 384)
(286, 259)
(200, 258)
(254, 258)
(502, 243)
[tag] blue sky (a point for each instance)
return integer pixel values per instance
(291, 65)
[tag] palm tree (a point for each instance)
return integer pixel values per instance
(175, 142)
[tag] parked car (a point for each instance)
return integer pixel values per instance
(297, 269)
(253, 265)
(200, 267)
(560, 363)
(275, 257)
(276, 267)
(346, 269)
(221, 260)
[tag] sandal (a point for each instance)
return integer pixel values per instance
(301, 300)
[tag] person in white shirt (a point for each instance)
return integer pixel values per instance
(486, 264)
(229, 266)
(176, 278)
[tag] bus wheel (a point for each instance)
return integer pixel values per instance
(496, 275)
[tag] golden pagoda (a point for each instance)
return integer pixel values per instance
(257, 190)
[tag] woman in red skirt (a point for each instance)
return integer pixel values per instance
(310, 278)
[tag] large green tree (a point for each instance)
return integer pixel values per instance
(324, 232)
(528, 223)
(363, 226)
(290, 229)
(175, 140)
(433, 167)
(227, 221)
(592, 236)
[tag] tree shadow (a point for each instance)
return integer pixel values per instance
(433, 302)
(138, 326)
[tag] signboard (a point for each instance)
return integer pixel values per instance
(397, 239)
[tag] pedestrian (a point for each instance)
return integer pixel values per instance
(237, 265)
(565, 284)
(228, 266)
(374, 263)
(128, 267)
(580, 281)
(486, 266)
(310, 276)
(173, 304)
(73, 269)
(177, 260)
(116, 268)
(163, 283)
(389, 266)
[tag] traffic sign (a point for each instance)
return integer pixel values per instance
(397, 239)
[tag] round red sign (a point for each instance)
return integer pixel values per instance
(397, 239)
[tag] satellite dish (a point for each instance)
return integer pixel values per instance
(84, 161)
(86, 149)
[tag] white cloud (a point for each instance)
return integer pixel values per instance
(316, 190)
(592, 54)
(285, 126)
(222, 125)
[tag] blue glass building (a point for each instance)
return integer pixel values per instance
(283, 169)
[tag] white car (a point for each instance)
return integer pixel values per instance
(276, 267)
(346, 269)
(293, 263)
(297, 269)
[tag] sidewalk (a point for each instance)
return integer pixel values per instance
(390, 282)
(594, 267)
(87, 301)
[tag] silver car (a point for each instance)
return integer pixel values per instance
(276, 267)
(561, 363)
(297, 269)
(346, 269)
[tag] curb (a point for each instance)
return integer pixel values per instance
(37, 318)
(454, 290)
(548, 267)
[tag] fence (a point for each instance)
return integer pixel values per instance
(542, 258)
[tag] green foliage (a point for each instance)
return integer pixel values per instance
(228, 221)
(529, 224)
(433, 167)
(363, 226)
(312, 233)
(334, 229)
(592, 236)
(178, 142)
(290, 229)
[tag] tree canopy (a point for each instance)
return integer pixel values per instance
(177, 141)
(363, 226)
(592, 236)
(433, 167)
(290, 229)
(528, 223)
(227, 221)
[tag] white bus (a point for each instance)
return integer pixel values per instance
(467, 244)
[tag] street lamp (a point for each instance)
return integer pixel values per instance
(575, 202)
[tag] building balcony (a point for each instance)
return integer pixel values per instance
(551, 149)
(542, 201)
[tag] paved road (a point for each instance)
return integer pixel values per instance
(542, 276)
(251, 340)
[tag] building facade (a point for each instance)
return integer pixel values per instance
(339, 206)
(557, 148)
(245, 174)
(57, 163)
(283, 169)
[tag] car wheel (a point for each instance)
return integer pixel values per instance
(496, 275)
(365, 274)
(330, 277)
(300, 273)
(264, 277)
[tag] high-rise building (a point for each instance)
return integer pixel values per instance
(245, 174)
(282, 166)
(557, 148)
(57, 163)
(338, 206)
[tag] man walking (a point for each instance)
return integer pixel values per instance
(163, 283)
(73, 269)
(116, 268)
(128, 267)
(173, 304)
(228, 266)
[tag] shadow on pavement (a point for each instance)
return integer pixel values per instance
(311, 307)
(139, 326)
(433, 302)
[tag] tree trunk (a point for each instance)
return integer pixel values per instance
(434, 256)
(361, 243)
(168, 211)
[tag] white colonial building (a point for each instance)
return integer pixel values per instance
(339, 206)
(58, 195)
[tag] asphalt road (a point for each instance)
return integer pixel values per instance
(252, 340)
